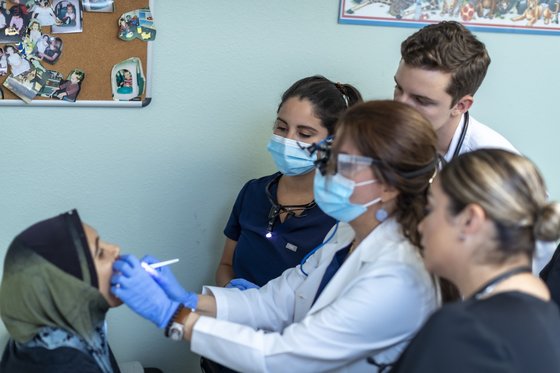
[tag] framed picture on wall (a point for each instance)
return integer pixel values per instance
(516, 16)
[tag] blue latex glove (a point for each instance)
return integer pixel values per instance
(241, 284)
(135, 287)
(167, 281)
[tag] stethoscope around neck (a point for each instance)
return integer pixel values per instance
(317, 248)
(461, 137)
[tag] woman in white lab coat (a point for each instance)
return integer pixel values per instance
(352, 306)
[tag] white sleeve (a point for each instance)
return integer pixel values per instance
(271, 307)
(382, 309)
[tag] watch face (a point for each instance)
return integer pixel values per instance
(176, 332)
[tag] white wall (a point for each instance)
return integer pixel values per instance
(162, 179)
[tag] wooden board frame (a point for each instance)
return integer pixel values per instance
(95, 51)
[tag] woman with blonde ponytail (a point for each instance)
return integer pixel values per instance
(485, 211)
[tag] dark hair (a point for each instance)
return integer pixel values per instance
(16, 10)
(329, 99)
(404, 142)
(79, 74)
(449, 47)
(512, 193)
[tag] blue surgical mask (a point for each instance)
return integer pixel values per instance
(332, 194)
(289, 157)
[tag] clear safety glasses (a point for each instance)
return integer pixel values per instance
(345, 164)
(351, 165)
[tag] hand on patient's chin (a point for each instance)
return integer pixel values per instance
(141, 292)
(112, 300)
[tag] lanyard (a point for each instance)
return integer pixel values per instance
(317, 248)
(491, 285)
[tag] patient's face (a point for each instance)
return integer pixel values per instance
(104, 255)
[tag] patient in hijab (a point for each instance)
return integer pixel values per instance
(54, 296)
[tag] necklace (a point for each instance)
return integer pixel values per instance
(278, 209)
(488, 287)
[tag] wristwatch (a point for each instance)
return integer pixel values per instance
(176, 327)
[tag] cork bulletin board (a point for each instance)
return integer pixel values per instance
(95, 51)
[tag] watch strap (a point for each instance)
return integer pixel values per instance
(175, 327)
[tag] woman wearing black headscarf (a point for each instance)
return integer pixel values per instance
(54, 296)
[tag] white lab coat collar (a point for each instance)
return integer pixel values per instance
(369, 250)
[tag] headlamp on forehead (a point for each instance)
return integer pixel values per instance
(323, 150)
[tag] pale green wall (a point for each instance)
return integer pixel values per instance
(162, 179)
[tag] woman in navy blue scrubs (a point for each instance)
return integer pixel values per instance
(275, 221)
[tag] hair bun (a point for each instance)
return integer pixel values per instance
(547, 223)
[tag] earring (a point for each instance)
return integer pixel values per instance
(381, 215)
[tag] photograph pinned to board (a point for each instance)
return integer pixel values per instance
(127, 80)
(27, 85)
(69, 16)
(36, 45)
(13, 22)
(52, 82)
(107, 6)
(137, 24)
(3, 62)
(29, 40)
(48, 49)
(43, 13)
(16, 63)
(69, 88)
(27, 3)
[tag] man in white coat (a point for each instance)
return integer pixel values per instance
(441, 68)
